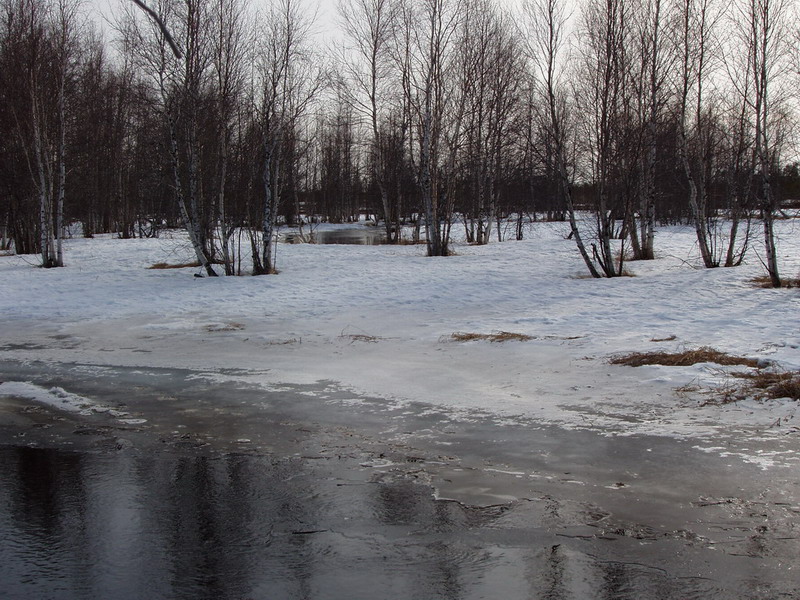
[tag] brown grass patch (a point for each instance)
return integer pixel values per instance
(361, 337)
(682, 359)
(666, 339)
(287, 342)
(497, 337)
(216, 328)
(162, 265)
(766, 283)
(771, 384)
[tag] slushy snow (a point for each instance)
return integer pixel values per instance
(378, 321)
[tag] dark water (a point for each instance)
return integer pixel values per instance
(85, 525)
(330, 499)
(356, 236)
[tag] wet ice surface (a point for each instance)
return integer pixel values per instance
(307, 492)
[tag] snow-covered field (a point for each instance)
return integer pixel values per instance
(378, 320)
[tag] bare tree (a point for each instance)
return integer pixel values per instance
(368, 25)
(42, 47)
(180, 79)
(67, 48)
(231, 45)
(490, 63)
(605, 102)
(288, 81)
(762, 33)
(702, 136)
(547, 20)
(654, 64)
(429, 32)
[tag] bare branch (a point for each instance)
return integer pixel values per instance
(161, 26)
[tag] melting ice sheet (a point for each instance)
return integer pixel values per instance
(61, 399)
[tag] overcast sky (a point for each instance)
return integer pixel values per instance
(327, 19)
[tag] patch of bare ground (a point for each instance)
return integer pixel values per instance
(665, 339)
(758, 385)
(764, 385)
(361, 337)
(684, 358)
(286, 342)
(217, 327)
(496, 337)
(766, 282)
(163, 265)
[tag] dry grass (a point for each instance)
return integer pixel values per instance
(216, 328)
(360, 337)
(625, 273)
(759, 385)
(766, 282)
(683, 359)
(666, 339)
(771, 384)
(497, 337)
(162, 265)
(286, 342)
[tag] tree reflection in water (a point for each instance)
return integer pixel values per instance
(131, 525)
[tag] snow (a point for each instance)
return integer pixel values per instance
(62, 400)
(378, 321)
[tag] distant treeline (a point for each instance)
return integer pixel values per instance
(218, 116)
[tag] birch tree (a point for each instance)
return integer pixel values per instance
(490, 64)
(762, 33)
(66, 52)
(172, 51)
(231, 46)
(289, 79)
(43, 43)
(701, 134)
(604, 96)
(368, 25)
(430, 29)
(547, 21)
(655, 64)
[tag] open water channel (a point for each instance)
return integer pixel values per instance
(355, 236)
(227, 491)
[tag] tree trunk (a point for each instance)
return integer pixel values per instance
(190, 226)
(62, 174)
(265, 264)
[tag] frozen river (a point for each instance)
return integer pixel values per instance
(175, 486)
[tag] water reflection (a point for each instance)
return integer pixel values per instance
(128, 525)
(357, 236)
